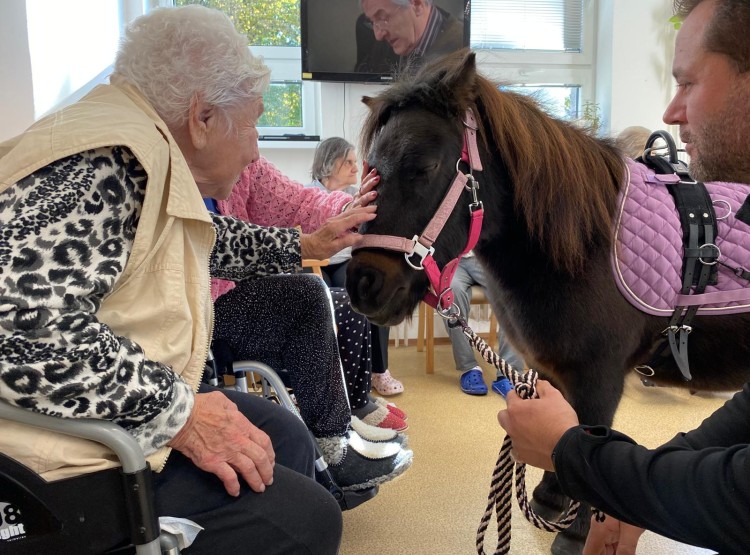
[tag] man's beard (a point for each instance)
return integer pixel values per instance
(721, 146)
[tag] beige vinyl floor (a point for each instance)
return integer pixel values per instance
(435, 507)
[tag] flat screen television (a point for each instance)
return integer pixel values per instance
(340, 43)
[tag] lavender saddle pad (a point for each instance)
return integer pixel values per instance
(647, 253)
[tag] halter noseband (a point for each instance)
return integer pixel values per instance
(421, 246)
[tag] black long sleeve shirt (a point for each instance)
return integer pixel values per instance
(694, 489)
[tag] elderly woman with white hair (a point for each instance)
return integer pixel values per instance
(106, 254)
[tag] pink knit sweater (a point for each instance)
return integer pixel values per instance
(264, 196)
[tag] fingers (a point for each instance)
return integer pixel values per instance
(599, 537)
(366, 194)
(629, 536)
(260, 438)
(228, 477)
(255, 470)
(253, 465)
(611, 537)
(355, 217)
(546, 389)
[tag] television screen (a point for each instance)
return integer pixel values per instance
(371, 41)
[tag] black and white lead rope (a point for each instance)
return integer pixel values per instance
(499, 497)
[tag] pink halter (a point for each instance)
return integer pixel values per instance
(421, 246)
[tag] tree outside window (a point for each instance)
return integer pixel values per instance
(268, 23)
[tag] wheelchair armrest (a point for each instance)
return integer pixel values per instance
(135, 472)
(113, 436)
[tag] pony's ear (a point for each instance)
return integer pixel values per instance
(461, 79)
(374, 104)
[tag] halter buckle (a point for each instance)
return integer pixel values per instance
(420, 250)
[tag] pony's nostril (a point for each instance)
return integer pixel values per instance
(363, 287)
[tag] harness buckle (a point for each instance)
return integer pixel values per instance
(675, 329)
(420, 250)
(716, 257)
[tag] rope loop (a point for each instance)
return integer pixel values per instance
(506, 469)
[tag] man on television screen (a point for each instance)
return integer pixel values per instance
(394, 33)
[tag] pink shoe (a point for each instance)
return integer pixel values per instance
(383, 418)
(391, 407)
(386, 385)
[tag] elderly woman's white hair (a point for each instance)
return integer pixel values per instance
(175, 54)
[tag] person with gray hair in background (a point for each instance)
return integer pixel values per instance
(106, 254)
(395, 34)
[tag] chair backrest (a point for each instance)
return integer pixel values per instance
(315, 265)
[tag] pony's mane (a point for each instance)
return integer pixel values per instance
(565, 180)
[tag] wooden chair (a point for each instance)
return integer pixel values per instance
(426, 327)
(315, 265)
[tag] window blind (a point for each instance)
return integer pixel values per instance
(551, 25)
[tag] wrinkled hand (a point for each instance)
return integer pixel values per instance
(536, 425)
(366, 193)
(219, 439)
(336, 233)
(611, 537)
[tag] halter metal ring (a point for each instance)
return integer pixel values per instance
(726, 204)
(453, 312)
(645, 370)
(458, 169)
(718, 254)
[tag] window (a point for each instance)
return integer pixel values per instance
(539, 47)
(272, 29)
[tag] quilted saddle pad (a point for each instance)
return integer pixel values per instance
(647, 250)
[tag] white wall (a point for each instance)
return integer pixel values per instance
(635, 46)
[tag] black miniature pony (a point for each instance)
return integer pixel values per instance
(549, 191)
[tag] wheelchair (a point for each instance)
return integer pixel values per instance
(274, 386)
(110, 511)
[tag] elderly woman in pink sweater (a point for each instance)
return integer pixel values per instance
(286, 321)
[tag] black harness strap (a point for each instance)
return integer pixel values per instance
(700, 255)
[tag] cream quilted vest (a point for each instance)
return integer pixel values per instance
(162, 300)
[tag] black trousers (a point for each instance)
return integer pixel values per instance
(294, 515)
(286, 321)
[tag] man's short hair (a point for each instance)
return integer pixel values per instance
(728, 31)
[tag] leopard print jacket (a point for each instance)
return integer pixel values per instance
(66, 232)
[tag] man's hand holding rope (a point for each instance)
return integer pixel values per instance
(536, 425)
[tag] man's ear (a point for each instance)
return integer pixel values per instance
(201, 118)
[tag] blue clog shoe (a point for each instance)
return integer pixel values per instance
(472, 382)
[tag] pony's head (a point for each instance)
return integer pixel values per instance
(549, 187)
(413, 137)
